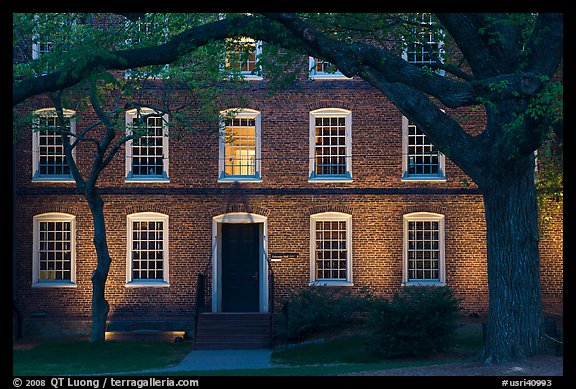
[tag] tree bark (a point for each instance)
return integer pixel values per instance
(100, 306)
(514, 316)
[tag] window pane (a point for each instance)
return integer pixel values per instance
(240, 147)
(147, 151)
(331, 254)
(423, 158)
(147, 250)
(54, 255)
(330, 146)
(423, 250)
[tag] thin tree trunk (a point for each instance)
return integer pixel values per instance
(514, 318)
(100, 306)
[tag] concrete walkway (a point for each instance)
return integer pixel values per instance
(221, 360)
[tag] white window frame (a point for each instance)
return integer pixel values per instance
(49, 112)
(142, 23)
(129, 176)
(247, 75)
(315, 75)
(440, 177)
(440, 72)
(244, 113)
(330, 113)
(53, 217)
(149, 217)
(331, 216)
(417, 217)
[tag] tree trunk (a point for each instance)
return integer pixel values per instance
(514, 317)
(100, 306)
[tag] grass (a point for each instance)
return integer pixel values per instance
(81, 357)
(341, 355)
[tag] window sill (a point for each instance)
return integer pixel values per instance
(54, 179)
(423, 179)
(335, 180)
(423, 283)
(54, 284)
(140, 180)
(331, 283)
(239, 179)
(334, 76)
(147, 284)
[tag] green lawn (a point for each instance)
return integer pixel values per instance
(55, 358)
(338, 356)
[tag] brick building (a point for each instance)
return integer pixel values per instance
(322, 183)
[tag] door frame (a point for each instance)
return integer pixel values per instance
(239, 217)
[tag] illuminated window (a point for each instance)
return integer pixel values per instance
(48, 158)
(420, 159)
(330, 145)
(242, 57)
(147, 262)
(331, 248)
(423, 249)
(321, 69)
(240, 146)
(147, 155)
(54, 253)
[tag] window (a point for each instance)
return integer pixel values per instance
(239, 142)
(423, 249)
(148, 30)
(420, 159)
(48, 158)
(330, 145)
(426, 50)
(147, 253)
(242, 57)
(54, 250)
(331, 249)
(320, 69)
(147, 155)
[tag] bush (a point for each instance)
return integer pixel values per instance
(415, 322)
(318, 308)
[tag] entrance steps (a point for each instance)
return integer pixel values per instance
(220, 331)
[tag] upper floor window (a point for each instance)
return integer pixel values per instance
(147, 254)
(242, 57)
(420, 159)
(321, 69)
(426, 47)
(330, 145)
(54, 250)
(239, 146)
(331, 248)
(48, 157)
(148, 30)
(423, 249)
(147, 154)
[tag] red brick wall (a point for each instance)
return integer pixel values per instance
(376, 198)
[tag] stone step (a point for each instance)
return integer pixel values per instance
(233, 331)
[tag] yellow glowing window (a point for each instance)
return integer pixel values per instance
(240, 147)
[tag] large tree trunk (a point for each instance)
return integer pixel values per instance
(100, 306)
(514, 318)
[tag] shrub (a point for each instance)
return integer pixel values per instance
(415, 322)
(318, 308)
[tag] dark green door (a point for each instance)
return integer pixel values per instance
(240, 267)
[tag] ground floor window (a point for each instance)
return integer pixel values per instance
(331, 248)
(423, 248)
(147, 257)
(54, 250)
